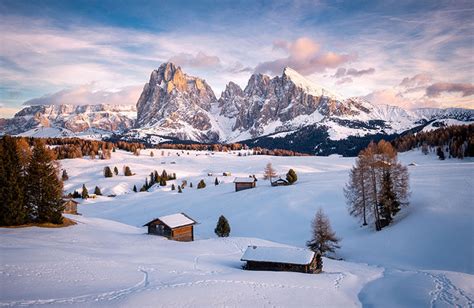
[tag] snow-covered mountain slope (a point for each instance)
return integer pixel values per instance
(108, 260)
(70, 120)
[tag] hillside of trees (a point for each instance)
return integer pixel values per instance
(456, 141)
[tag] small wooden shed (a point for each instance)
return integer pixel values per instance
(177, 227)
(244, 183)
(280, 182)
(290, 259)
(70, 206)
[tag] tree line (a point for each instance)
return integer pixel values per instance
(30, 186)
(455, 141)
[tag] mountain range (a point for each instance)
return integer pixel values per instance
(286, 111)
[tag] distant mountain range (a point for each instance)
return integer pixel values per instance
(286, 111)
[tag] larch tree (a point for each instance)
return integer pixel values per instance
(44, 188)
(323, 238)
(269, 172)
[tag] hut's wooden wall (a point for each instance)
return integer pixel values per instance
(242, 186)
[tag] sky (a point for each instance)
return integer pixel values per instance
(406, 53)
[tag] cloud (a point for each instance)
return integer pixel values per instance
(418, 80)
(342, 72)
(434, 90)
(87, 95)
(344, 80)
(199, 60)
(389, 97)
(305, 56)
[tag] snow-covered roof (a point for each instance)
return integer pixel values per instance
(244, 180)
(175, 220)
(290, 255)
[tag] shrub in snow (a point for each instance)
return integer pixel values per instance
(291, 176)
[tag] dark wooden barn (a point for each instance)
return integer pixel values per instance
(244, 183)
(70, 206)
(290, 259)
(177, 227)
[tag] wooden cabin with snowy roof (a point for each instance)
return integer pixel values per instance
(289, 259)
(176, 227)
(244, 183)
(70, 206)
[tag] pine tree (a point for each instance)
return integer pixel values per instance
(85, 192)
(146, 184)
(323, 238)
(389, 205)
(173, 187)
(127, 171)
(222, 228)
(115, 170)
(269, 172)
(201, 184)
(44, 188)
(97, 191)
(291, 176)
(191, 185)
(179, 189)
(134, 188)
(440, 153)
(152, 154)
(144, 188)
(108, 172)
(216, 182)
(164, 175)
(64, 176)
(12, 208)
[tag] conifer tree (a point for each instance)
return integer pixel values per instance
(164, 175)
(44, 188)
(191, 185)
(216, 182)
(173, 187)
(134, 188)
(76, 195)
(291, 176)
(323, 238)
(152, 154)
(156, 176)
(108, 172)
(440, 153)
(201, 184)
(116, 170)
(127, 171)
(222, 228)
(179, 189)
(389, 205)
(144, 188)
(65, 176)
(97, 191)
(12, 208)
(269, 172)
(162, 181)
(85, 192)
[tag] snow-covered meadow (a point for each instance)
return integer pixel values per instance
(424, 258)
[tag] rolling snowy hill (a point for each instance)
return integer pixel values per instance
(108, 260)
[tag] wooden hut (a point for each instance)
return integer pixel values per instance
(244, 183)
(290, 259)
(280, 182)
(177, 227)
(70, 206)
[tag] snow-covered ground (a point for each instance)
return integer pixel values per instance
(424, 258)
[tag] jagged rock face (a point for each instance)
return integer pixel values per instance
(177, 105)
(112, 118)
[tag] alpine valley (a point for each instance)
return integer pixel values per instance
(287, 112)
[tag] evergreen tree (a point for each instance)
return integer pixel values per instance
(44, 188)
(222, 228)
(179, 189)
(164, 175)
(191, 185)
(201, 184)
(65, 176)
(85, 192)
(76, 195)
(216, 182)
(173, 187)
(116, 170)
(127, 171)
(291, 176)
(97, 191)
(389, 205)
(152, 154)
(134, 188)
(156, 177)
(323, 238)
(108, 172)
(12, 204)
(144, 188)
(440, 153)
(146, 184)
(162, 181)
(152, 179)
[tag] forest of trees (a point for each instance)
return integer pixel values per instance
(30, 185)
(455, 141)
(378, 185)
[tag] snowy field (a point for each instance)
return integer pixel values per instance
(425, 258)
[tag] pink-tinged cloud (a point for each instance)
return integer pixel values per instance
(389, 97)
(344, 80)
(199, 60)
(342, 72)
(416, 81)
(304, 56)
(434, 90)
(87, 95)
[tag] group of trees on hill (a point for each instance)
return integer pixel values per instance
(30, 186)
(453, 141)
(378, 185)
(156, 178)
